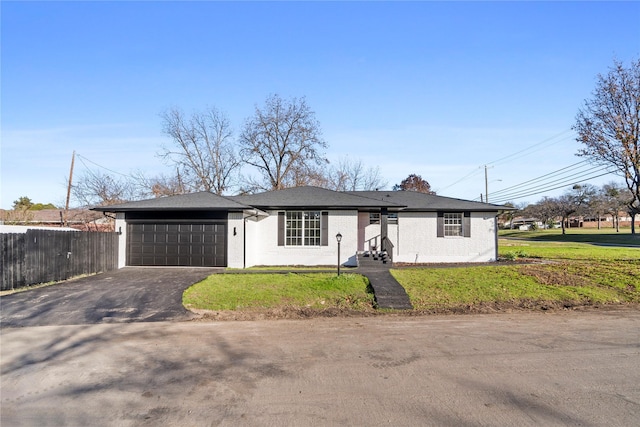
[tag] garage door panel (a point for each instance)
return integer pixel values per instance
(176, 244)
(148, 249)
(184, 260)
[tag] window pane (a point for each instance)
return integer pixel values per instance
(453, 224)
(312, 228)
(293, 229)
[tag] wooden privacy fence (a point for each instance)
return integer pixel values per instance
(40, 256)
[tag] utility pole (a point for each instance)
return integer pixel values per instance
(486, 184)
(66, 206)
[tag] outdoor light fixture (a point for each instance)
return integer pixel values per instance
(338, 239)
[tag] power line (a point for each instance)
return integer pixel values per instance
(83, 158)
(551, 139)
(541, 178)
(543, 144)
(564, 181)
(505, 199)
(476, 171)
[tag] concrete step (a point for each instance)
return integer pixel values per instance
(373, 259)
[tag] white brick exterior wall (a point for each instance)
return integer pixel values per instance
(415, 239)
(263, 249)
(254, 242)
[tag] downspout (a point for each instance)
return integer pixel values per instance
(495, 233)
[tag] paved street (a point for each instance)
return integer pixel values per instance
(525, 369)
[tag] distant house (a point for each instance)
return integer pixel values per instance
(299, 226)
(79, 219)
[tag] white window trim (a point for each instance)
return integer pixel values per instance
(458, 216)
(303, 229)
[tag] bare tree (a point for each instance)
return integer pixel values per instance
(414, 183)
(352, 175)
(608, 126)
(281, 140)
(614, 197)
(202, 150)
(160, 185)
(544, 210)
(508, 216)
(571, 202)
(598, 207)
(98, 189)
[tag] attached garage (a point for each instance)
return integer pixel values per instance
(192, 244)
(189, 230)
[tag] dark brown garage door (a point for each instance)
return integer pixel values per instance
(177, 244)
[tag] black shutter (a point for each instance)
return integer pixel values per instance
(280, 228)
(324, 229)
(440, 224)
(466, 224)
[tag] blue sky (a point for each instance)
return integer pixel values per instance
(433, 88)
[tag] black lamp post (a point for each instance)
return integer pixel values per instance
(339, 239)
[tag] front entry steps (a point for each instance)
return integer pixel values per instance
(388, 292)
(373, 258)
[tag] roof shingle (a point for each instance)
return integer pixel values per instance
(203, 200)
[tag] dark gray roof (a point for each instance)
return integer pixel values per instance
(194, 201)
(415, 201)
(311, 197)
(306, 197)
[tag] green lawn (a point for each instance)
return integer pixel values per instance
(569, 283)
(562, 274)
(268, 291)
(554, 250)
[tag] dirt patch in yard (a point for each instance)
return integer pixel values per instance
(554, 277)
(292, 313)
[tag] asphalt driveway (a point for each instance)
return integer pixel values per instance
(132, 294)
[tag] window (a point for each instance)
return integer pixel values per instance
(453, 224)
(303, 228)
(374, 218)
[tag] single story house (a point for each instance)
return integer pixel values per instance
(300, 226)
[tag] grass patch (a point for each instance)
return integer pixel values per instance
(565, 274)
(290, 268)
(269, 291)
(509, 249)
(568, 284)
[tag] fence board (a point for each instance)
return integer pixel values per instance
(40, 256)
